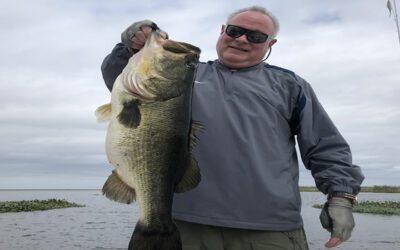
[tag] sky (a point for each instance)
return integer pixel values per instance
(50, 79)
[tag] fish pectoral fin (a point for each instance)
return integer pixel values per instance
(115, 189)
(190, 179)
(130, 114)
(196, 127)
(103, 113)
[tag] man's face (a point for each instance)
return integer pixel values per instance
(236, 53)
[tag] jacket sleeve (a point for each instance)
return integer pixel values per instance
(114, 63)
(323, 149)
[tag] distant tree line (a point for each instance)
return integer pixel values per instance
(371, 189)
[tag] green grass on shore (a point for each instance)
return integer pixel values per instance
(34, 205)
(374, 207)
(372, 189)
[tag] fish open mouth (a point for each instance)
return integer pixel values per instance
(193, 52)
(180, 47)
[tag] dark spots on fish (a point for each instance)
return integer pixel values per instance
(130, 114)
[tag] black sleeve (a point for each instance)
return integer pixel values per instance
(114, 63)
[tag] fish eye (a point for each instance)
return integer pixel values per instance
(191, 64)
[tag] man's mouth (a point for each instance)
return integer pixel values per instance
(238, 48)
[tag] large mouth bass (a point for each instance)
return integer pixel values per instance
(150, 137)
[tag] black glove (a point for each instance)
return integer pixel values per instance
(128, 34)
(337, 217)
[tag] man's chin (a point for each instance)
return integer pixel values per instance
(235, 63)
(235, 56)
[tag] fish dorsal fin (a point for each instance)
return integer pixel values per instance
(190, 179)
(115, 189)
(103, 113)
(196, 127)
(130, 114)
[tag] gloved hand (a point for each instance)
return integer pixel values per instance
(337, 217)
(134, 37)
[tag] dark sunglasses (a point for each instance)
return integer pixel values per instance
(251, 35)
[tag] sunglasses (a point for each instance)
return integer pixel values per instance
(251, 35)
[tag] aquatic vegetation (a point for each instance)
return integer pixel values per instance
(35, 205)
(375, 207)
(308, 189)
(381, 189)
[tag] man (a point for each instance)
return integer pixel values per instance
(249, 196)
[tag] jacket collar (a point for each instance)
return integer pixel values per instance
(223, 67)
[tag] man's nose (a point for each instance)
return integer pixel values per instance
(242, 38)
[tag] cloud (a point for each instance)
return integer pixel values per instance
(50, 78)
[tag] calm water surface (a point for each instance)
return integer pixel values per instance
(104, 224)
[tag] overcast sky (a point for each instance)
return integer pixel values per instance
(50, 79)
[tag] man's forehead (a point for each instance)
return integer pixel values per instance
(253, 20)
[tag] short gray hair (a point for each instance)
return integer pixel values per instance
(261, 10)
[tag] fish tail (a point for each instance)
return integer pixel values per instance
(144, 238)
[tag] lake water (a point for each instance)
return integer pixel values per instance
(104, 224)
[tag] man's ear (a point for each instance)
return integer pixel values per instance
(272, 42)
(222, 29)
